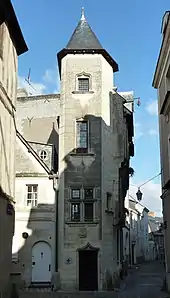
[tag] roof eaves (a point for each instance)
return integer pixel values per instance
(9, 17)
(103, 52)
(155, 79)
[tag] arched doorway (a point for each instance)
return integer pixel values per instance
(88, 268)
(41, 262)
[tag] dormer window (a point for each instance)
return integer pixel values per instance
(43, 154)
(83, 84)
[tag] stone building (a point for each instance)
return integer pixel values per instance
(93, 126)
(36, 169)
(161, 82)
(12, 45)
(138, 229)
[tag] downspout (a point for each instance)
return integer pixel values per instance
(56, 234)
(56, 222)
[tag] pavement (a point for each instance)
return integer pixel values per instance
(145, 280)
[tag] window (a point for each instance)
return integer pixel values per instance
(82, 204)
(1, 39)
(43, 154)
(75, 212)
(108, 201)
(88, 211)
(32, 195)
(83, 84)
(88, 194)
(82, 136)
(168, 79)
(117, 246)
(75, 194)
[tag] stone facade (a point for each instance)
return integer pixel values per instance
(10, 48)
(162, 83)
(93, 177)
(32, 168)
(136, 233)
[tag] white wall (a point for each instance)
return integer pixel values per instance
(38, 222)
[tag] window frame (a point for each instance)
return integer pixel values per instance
(1, 40)
(167, 80)
(168, 157)
(108, 201)
(32, 192)
(82, 83)
(82, 201)
(78, 148)
(82, 76)
(43, 152)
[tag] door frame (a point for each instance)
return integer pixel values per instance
(40, 241)
(89, 247)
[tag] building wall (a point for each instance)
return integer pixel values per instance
(8, 83)
(139, 232)
(98, 168)
(162, 83)
(35, 112)
(38, 222)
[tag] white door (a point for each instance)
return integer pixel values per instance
(41, 262)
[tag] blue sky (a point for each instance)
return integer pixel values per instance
(130, 32)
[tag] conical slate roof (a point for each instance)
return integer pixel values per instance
(83, 38)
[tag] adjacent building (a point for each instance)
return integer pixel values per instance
(156, 235)
(161, 82)
(35, 187)
(84, 136)
(12, 45)
(136, 247)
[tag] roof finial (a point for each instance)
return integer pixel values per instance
(82, 14)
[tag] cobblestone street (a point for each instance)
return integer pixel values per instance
(142, 282)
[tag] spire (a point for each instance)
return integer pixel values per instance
(82, 14)
(83, 38)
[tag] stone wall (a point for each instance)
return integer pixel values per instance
(97, 168)
(8, 84)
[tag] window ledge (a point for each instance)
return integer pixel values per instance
(82, 200)
(80, 223)
(81, 153)
(109, 211)
(83, 92)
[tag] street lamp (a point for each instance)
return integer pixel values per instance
(139, 194)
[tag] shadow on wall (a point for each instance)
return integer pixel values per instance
(4, 151)
(42, 250)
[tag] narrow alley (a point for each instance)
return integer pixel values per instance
(145, 281)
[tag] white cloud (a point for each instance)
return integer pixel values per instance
(52, 77)
(138, 131)
(152, 132)
(39, 87)
(152, 108)
(151, 196)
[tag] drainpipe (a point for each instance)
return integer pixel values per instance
(56, 234)
(56, 221)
